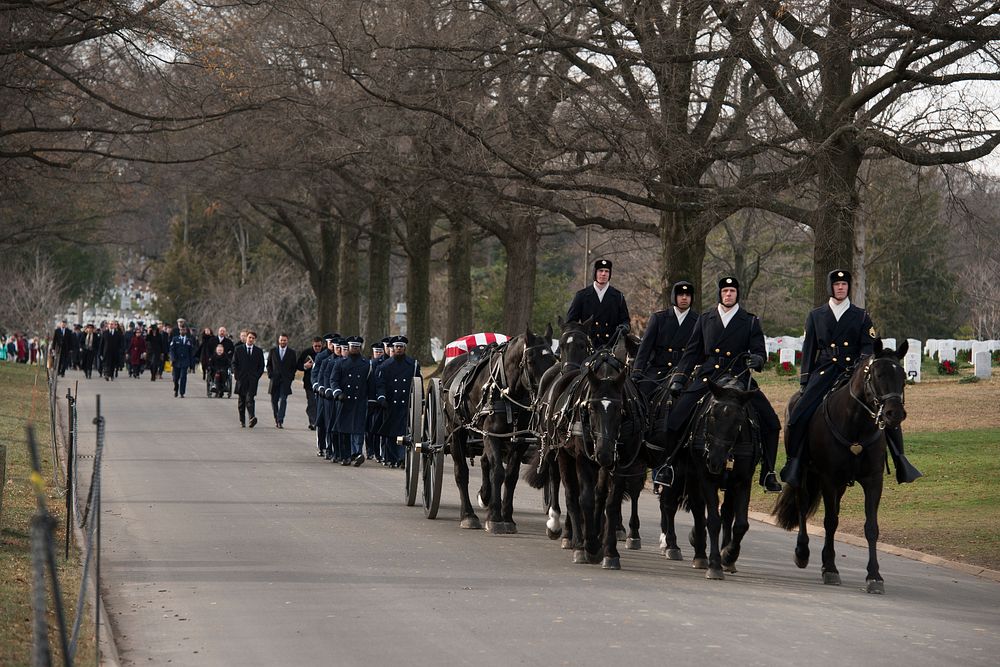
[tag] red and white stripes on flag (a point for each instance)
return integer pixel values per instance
(465, 343)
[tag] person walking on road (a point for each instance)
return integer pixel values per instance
(305, 364)
(181, 359)
(281, 366)
(248, 366)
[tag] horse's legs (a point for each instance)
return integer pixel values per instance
(588, 503)
(553, 526)
(697, 535)
(467, 516)
(714, 523)
(493, 453)
(669, 500)
(613, 517)
(635, 484)
(513, 469)
(831, 519)
(567, 467)
(737, 523)
(873, 497)
(802, 541)
(486, 486)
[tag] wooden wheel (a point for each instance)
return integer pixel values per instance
(414, 435)
(433, 450)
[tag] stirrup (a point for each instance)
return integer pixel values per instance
(663, 478)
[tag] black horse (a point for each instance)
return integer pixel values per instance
(846, 444)
(493, 398)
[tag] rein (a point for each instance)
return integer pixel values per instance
(879, 401)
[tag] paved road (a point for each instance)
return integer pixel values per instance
(225, 546)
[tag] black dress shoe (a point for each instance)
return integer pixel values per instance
(321, 453)
(358, 460)
(312, 427)
(243, 425)
(253, 422)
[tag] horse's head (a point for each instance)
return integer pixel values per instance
(725, 416)
(529, 356)
(880, 382)
(603, 405)
(574, 341)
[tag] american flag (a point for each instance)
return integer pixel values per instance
(465, 343)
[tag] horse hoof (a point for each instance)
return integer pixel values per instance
(553, 534)
(553, 523)
(611, 563)
(621, 534)
(875, 586)
(715, 573)
(593, 559)
(831, 578)
(674, 554)
(565, 544)
(801, 563)
(633, 543)
(511, 528)
(730, 568)
(579, 556)
(496, 527)
(729, 559)
(700, 563)
(470, 523)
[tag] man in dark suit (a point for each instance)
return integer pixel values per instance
(838, 334)
(665, 339)
(281, 366)
(112, 348)
(602, 304)
(248, 366)
(726, 340)
(62, 342)
(223, 339)
(90, 343)
(305, 364)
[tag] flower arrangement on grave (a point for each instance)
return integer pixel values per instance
(786, 368)
(948, 368)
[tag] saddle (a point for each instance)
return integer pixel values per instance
(458, 389)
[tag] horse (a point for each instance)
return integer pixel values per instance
(494, 397)
(846, 444)
(723, 453)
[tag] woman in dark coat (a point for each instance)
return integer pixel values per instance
(154, 353)
(136, 354)
(206, 350)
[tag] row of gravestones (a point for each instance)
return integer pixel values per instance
(944, 350)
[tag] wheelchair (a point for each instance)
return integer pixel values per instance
(218, 383)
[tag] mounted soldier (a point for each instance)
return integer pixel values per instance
(837, 335)
(601, 303)
(726, 340)
(665, 339)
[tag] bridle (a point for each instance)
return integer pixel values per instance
(712, 442)
(878, 400)
(523, 378)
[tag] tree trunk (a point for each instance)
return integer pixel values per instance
(521, 244)
(859, 286)
(348, 285)
(418, 294)
(459, 281)
(682, 241)
(377, 324)
(323, 280)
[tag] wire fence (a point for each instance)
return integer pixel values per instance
(45, 582)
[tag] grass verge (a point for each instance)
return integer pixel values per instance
(24, 400)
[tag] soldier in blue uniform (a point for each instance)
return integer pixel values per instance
(334, 447)
(601, 303)
(720, 342)
(665, 339)
(181, 359)
(349, 386)
(394, 382)
(838, 334)
(317, 388)
(374, 419)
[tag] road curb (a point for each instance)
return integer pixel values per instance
(854, 540)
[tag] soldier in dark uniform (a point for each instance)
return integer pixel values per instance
(721, 339)
(349, 386)
(305, 364)
(394, 382)
(603, 303)
(665, 339)
(838, 334)
(374, 419)
(318, 389)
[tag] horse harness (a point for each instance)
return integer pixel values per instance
(858, 446)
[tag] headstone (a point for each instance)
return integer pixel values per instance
(931, 347)
(911, 362)
(889, 343)
(983, 366)
(946, 354)
(787, 354)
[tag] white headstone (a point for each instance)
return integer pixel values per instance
(911, 362)
(787, 354)
(931, 347)
(946, 354)
(889, 343)
(983, 364)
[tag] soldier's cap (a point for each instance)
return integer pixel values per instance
(328, 337)
(355, 341)
(387, 340)
(378, 345)
(340, 340)
(400, 341)
(837, 276)
(681, 287)
(602, 264)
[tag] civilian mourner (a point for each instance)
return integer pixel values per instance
(838, 334)
(394, 381)
(305, 364)
(665, 338)
(281, 366)
(349, 386)
(248, 366)
(726, 340)
(602, 304)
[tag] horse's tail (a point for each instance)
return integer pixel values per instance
(786, 508)
(537, 473)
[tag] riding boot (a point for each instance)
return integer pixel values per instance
(905, 471)
(767, 477)
(791, 473)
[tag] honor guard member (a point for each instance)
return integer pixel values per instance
(349, 386)
(305, 364)
(374, 419)
(334, 448)
(394, 382)
(720, 341)
(838, 334)
(666, 336)
(602, 304)
(321, 413)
